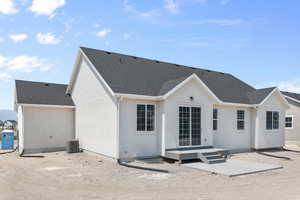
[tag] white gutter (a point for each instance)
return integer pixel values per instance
(44, 105)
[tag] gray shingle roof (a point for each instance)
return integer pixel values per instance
(133, 75)
(259, 95)
(29, 92)
(292, 95)
(293, 102)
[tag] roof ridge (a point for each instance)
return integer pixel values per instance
(17, 80)
(156, 61)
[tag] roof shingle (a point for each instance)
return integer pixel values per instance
(140, 76)
(28, 92)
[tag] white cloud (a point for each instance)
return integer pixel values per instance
(1, 39)
(171, 6)
(5, 76)
(97, 25)
(47, 38)
(46, 7)
(220, 22)
(17, 38)
(150, 13)
(24, 63)
(140, 14)
(7, 7)
(2, 60)
(289, 86)
(103, 32)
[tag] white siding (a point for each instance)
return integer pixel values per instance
(270, 138)
(95, 115)
(227, 135)
(294, 133)
(133, 143)
(20, 128)
(169, 111)
(47, 128)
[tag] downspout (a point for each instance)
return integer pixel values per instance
(256, 128)
(119, 100)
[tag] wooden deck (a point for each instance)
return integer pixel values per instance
(205, 154)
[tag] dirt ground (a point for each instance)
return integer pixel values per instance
(86, 176)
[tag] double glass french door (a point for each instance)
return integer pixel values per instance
(189, 126)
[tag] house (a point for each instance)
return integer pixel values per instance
(10, 124)
(292, 116)
(127, 107)
(45, 114)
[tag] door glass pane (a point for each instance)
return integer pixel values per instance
(184, 126)
(275, 120)
(150, 117)
(140, 119)
(269, 120)
(196, 126)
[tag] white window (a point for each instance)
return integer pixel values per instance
(272, 120)
(240, 120)
(215, 119)
(289, 120)
(145, 117)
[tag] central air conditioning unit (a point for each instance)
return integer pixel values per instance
(73, 146)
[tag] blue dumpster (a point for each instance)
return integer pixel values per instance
(7, 139)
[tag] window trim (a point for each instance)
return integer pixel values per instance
(292, 116)
(145, 132)
(215, 119)
(243, 120)
(272, 129)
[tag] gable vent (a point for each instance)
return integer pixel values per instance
(108, 52)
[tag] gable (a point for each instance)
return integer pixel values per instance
(191, 87)
(275, 100)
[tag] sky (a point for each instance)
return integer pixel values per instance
(256, 41)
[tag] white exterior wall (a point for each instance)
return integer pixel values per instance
(46, 128)
(293, 134)
(270, 138)
(96, 113)
(133, 143)
(20, 128)
(227, 136)
(169, 111)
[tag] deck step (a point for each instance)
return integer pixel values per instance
(211, 157)
(210, 153)
(215, 161)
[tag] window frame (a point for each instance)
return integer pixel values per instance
(216, 119)
(240, 120)
(272, 121)
(154, 121)
(190, 106)
(292, 122)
